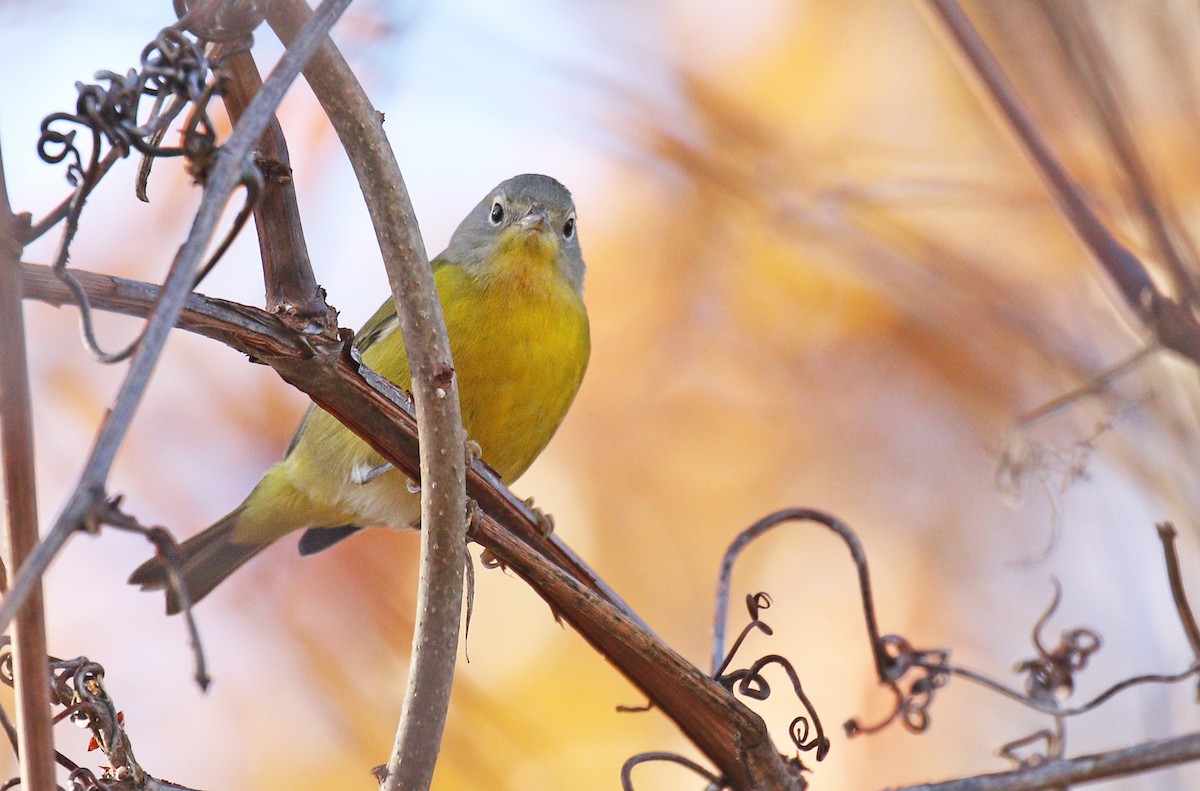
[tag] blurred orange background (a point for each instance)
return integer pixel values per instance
(820, 274)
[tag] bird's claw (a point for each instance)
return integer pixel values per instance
(490, 560)
(545, 521)
(363, 472)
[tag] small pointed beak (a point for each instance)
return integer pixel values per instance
(536, 220)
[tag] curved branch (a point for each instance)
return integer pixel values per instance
(734, 738)
(857, 554)
(223, 180)
(435, 393)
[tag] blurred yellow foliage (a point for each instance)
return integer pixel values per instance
(820, 274)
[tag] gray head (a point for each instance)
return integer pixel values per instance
(526, 218)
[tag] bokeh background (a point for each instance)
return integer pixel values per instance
(820, 274)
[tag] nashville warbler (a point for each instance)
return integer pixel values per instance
(510, 284)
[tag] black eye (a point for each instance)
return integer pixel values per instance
(497, 215)
(569, 228)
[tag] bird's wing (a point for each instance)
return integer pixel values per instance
(385, 322)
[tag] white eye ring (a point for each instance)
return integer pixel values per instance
(568, 229)
(496, 216)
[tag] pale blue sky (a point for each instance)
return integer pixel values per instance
(473, 92)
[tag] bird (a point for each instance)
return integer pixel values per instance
(510, 284)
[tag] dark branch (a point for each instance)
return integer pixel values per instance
(435, 394)
(287, 271)
(733, 737)
(1086, 768)
(21, 521)
(166, 545)
(1173, 324)
(769, 522)
(1166, 534)
(222, 181)
(692, 766)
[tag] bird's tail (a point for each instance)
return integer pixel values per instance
(205, 560)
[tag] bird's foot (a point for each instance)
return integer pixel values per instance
(490, 560)
(545, 521)
(363, 473)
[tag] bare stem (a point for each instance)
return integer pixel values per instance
(1050, 708)
(165, 544)
(692, 766)
(732, 736)
(1095, 72)
(769, 522)
(1174, 325)
(290, 284)
(1097, 385)
(435, 393)
(1166, 534)
(224, 179)
(1086, 768)
(31, 674)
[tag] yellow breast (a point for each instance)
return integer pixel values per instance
(520, 350)
(520, 343)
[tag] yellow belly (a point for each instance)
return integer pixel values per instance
(520, 361)
(520, 349)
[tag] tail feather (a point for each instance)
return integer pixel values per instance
(318, 539)
(206, 559)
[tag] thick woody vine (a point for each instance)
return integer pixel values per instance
(205, 57)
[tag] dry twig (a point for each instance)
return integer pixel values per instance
(77, 686)
(733, 737)
(1187, 619)
(1085, 768)
(291, 287)
(227, 174)
(1174, 324)
(435, 395)
(16, 445)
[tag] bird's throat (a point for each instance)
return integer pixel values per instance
(527, 260)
